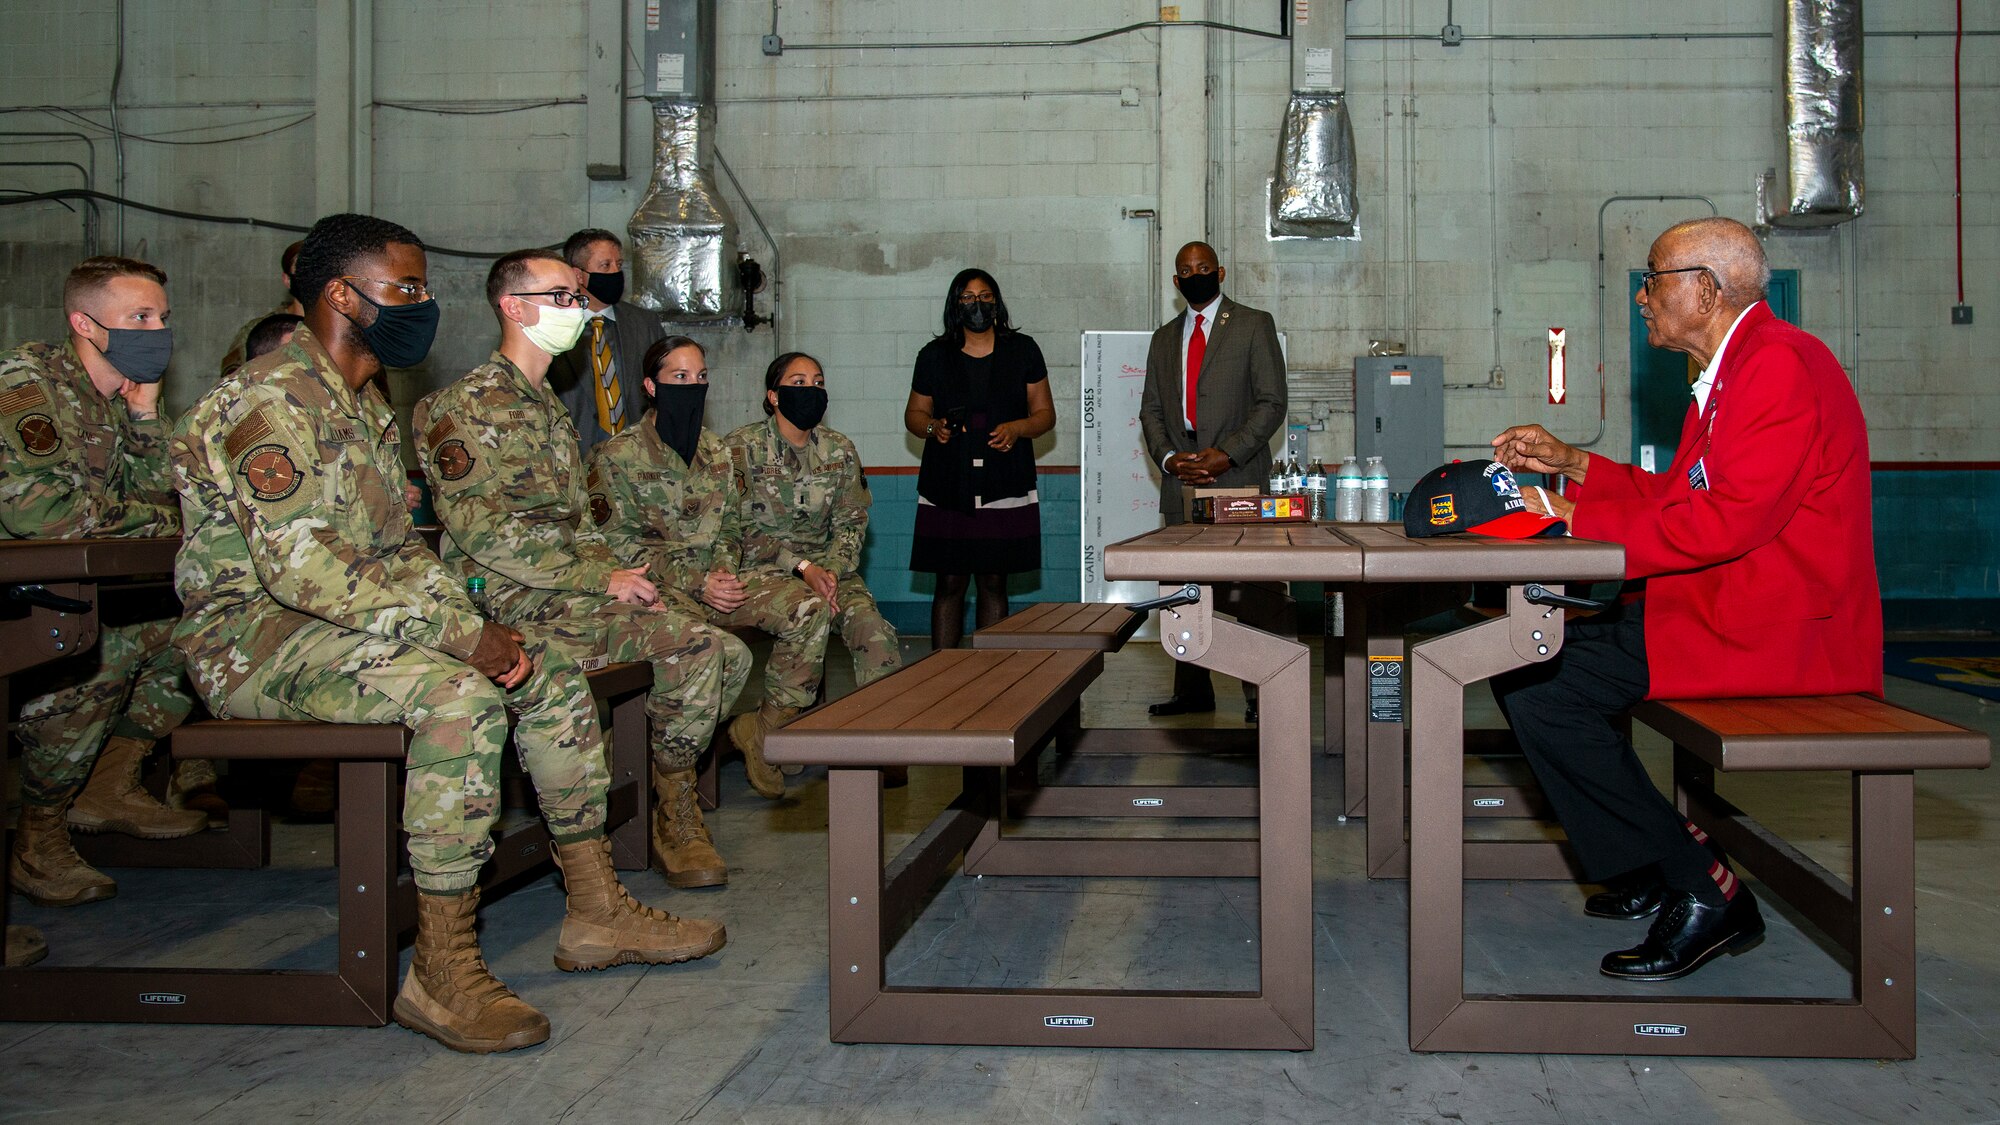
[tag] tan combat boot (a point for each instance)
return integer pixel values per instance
(680, 837)
(114, 801)
(747, 731)
(451, 996)
(193, 787)
(45, 867)
(606, 927)
(24, 947)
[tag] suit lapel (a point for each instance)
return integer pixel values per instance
(1215, 332)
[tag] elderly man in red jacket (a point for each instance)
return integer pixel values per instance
(1759, 565)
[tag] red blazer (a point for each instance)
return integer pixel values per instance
(1763, 583)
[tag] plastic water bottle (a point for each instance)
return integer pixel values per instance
(1295, 471)
(1375, 491)
(1316, 492)
(475, 588)
(1347, 488)
(1276, 485)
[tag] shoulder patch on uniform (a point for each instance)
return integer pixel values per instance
(246, 435)
(594, 480)
(270, 472)
(23, 398)
(441, 429)
(38, 434)
(600, 509)
(454, 461)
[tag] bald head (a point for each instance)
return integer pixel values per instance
(1727, 247)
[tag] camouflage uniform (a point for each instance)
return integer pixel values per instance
(506, 478)
(240, 343)
(308, 595)
(74, 464)
(685, 521)
(812, 504)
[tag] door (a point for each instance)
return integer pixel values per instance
(1660, 378)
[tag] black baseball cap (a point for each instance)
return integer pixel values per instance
(1480, 497)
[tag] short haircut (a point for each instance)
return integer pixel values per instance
(334, 244)
(269, 334)
(776, 372)
(1733, 253)
(662, 348)
(577, 245)
(511, 272)
(91, 275)
(290, 257)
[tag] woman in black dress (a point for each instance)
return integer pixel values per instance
(979, 398)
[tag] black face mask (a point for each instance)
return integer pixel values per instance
(677, 412)
(606, 287)
(977, 316)
(1199, 288)
(802, 406)
(139, 354)
(401, 335)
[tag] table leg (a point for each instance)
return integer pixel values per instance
(1440, 670)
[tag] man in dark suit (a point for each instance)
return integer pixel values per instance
(1215, 393)
(599, 379)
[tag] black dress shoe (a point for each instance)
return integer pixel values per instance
(1687, 935)
(1627, 898)
(1175, 705)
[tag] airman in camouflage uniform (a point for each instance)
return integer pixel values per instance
(309, 595)
(507, 478)
(804, 514)
(82, 455)
(685, 520)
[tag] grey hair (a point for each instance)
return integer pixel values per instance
(1732, 253)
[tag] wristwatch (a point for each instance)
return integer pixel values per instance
(930, 428)
(799, 568)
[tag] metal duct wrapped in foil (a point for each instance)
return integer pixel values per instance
(1312, 196)
(1820, 81)
(682, 232)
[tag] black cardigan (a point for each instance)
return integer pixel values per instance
(946, 477)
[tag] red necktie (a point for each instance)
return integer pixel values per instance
(1197, 347)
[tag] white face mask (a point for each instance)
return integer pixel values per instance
(558, 330)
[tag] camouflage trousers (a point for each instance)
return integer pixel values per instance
(130, 685)
(698, 669)
(458, 727)
(870, 639)
(798, 623)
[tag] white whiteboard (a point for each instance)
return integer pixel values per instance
(1120, 488)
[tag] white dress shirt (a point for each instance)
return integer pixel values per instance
(1705, 382)
(1207, 314)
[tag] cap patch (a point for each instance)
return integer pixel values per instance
(1442, 512)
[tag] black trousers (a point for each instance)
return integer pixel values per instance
(1564, 713)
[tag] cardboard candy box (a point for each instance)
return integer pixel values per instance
(1250, 509)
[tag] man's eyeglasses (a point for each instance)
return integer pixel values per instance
(414, 290)
(560, 298)
(1646, 278)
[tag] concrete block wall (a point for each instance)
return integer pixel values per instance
(881, 172)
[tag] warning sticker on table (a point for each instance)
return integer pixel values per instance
(1385, 689)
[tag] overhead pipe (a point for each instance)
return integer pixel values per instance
(1819, 87)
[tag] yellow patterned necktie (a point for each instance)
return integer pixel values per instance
(610, 403)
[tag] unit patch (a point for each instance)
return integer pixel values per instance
(600, 509)
(453, 460)
(269, 471)
(1443, 512)
(38, 434)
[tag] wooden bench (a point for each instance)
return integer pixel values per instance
(1871, 915)
(376, 904)
(985, 710)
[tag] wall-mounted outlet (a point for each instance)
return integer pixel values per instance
(1961, 314)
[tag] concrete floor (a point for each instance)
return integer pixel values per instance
(742, 1036)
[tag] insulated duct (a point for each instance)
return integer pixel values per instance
(682, 234)
(1312, 193)
(1820, 83)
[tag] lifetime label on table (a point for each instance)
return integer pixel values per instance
(1385, 689)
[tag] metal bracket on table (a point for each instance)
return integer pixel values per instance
(1535, 620)
(60, 622)
(1187, 617)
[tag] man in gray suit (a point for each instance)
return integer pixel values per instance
(1215, 393)
(599, 379)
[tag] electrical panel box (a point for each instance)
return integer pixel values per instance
(1399, 414)
(677, 52)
